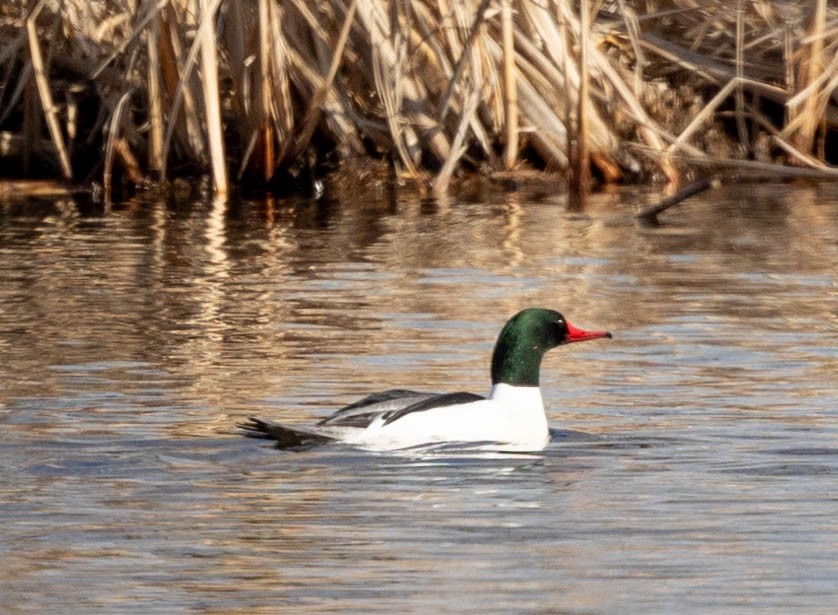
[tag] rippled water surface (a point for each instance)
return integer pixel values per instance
(694, 468)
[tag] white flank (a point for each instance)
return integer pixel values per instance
(512, 419)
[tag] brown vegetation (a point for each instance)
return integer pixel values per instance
(99, 90)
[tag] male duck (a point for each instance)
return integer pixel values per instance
(511, 418)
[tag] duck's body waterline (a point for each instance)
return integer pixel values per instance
(511, 418)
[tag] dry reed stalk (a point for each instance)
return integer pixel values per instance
(580, 174)
(715, 73)
(183, 92)
(42, 83)
(801, 157)
(739, 99)
(649, 130)
(235, 28)
(129, 161)
(824, 83)
(155, 93)
(703, 116)
(510, 89)
(315, 106)
(280, 104)
(389, 52)
(490, 110)
(460, 65)
(548, 134)
(807, 107)
(447, 40)
(632, 24)
(541, 71)
(151, 8)
(404, 140)
(443, 178)
(182, 112)
(212, 105)
(484, 78)
(340, 116)
(248, 39)
(555, 74)
(387, 61)
(110, 147)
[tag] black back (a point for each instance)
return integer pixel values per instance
(435, 401)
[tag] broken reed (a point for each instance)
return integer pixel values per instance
(261, 87)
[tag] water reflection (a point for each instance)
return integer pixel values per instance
(692, 466)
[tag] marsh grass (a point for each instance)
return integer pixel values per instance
(143, 89)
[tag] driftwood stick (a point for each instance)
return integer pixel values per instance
(650, 214)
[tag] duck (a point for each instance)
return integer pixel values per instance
(511, 418)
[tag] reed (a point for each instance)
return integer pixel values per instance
(270, 90)
(212, 97)
(39, 70)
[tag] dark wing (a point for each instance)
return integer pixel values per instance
(285, 435)
(431, 402)
(362, 412)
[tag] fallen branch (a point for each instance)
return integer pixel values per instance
(650, 214)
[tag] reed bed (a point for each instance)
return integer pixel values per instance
(136, 91)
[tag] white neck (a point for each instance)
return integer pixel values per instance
(510, 393)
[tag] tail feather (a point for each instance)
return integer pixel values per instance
(286, 436)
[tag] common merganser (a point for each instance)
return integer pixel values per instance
(512, 418)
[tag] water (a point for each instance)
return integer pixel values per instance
(694, 467)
